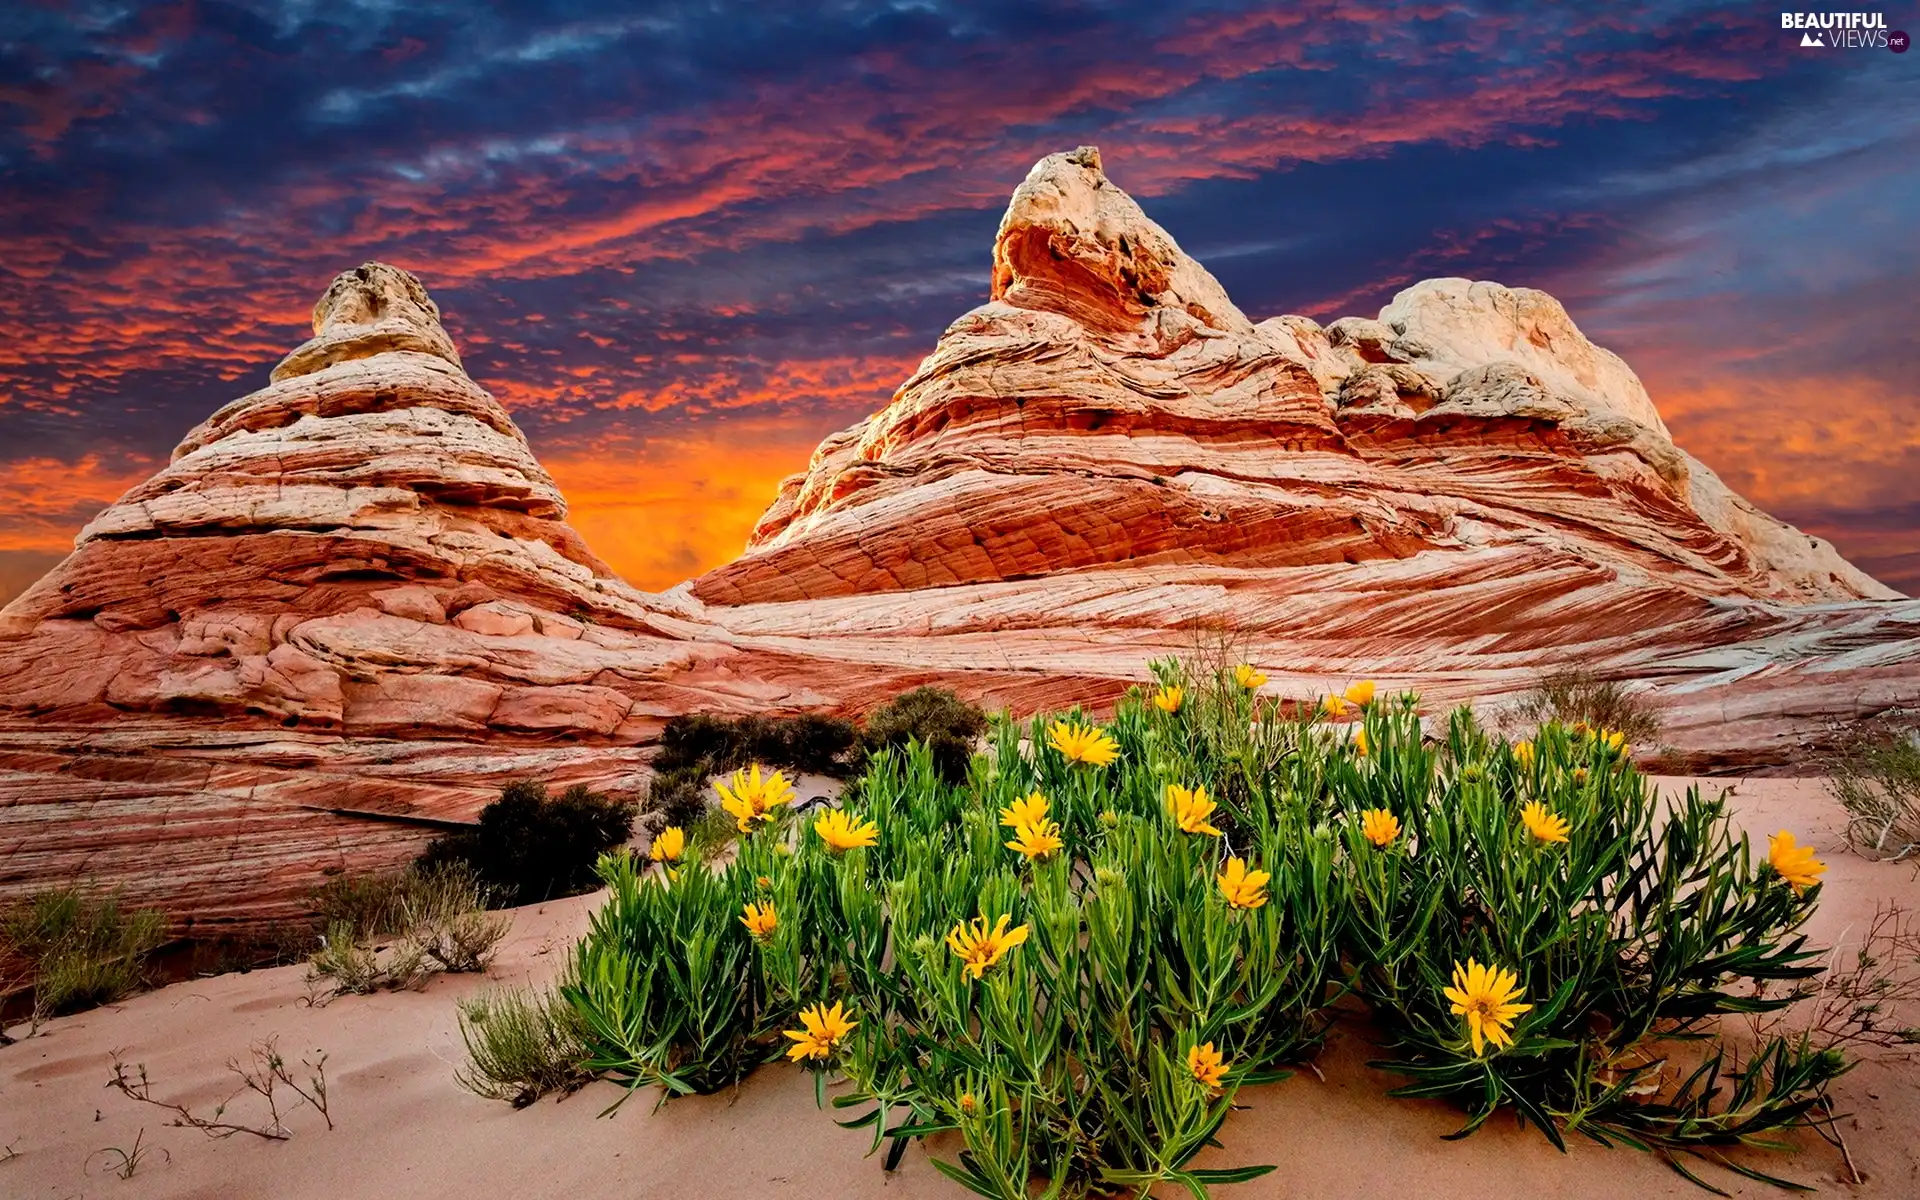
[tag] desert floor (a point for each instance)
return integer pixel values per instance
(404, 1128)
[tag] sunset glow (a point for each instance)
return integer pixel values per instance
(682, 248)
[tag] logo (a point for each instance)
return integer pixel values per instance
(1897, 41)
(1844, 31)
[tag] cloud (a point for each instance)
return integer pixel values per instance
(643, 225)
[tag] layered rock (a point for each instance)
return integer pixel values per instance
(350, 608)
(1108, 460)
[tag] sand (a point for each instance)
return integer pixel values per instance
(404, 1128)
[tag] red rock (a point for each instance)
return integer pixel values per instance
(351, 601)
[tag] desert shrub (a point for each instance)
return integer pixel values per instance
(444, 915)
(529, 847)
(1876, 777)
(395, 931)
(81, 949)
(521, 1044)
(937, 718)
(1578, 697)
(1619, 929)
(666, 983)
(369, 904)
(679, 795)
(810, 742)
(349, 962)
(1076, 955)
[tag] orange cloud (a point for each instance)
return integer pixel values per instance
(45, 501)
(664, 508)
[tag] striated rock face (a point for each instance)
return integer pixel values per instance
(350, 607)
(1110, 406)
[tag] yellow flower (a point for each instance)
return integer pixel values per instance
(1207, 1065)
(760, 921)
(1581, 728)
(668, 845)
(823, 1029)
(1036, 839)
(751, 798)
(1614, 739)
(1247, 677)
(1191, 809)
(1579, 774)
(980, 947)
(1793, 862)
(1360, 742)
(1241, 887)
(763, 882)
(1333, 706)
(1083, 743)
(1379, 826)
(1523, 754)
(1485, 997)
(1360, 693)
(1543, 823)
(1169, 699)
(968, 1104)
(1025, 811)
(842, 833)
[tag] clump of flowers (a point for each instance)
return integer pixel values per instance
(1543, 823)
(1207, 1066)
(668, 845)
(752, 797)
(760, 920)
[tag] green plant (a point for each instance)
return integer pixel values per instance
(521, 1044)
(1076, 953)
(350, 963)
(528, 847)
(1875, 775)
(125, 1161)
(81, 949)
(666, 983)
(1629, 927)
(936, 718)
(679, 795)
(1578, 696)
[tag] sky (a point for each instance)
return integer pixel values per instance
(683, 242)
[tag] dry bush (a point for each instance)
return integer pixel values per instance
(426, 920)
(446, 919)
(265, 1075)
(1576, 695)
(1875, 774)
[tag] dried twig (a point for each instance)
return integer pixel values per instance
(267, 1073)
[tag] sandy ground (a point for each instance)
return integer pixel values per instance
(405, 1129)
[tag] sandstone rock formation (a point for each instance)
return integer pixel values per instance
(350, 607)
